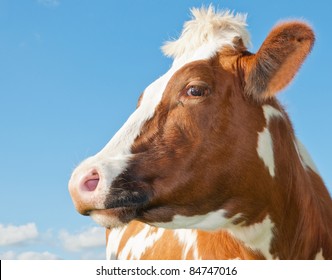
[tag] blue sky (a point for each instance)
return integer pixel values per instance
(71, 73)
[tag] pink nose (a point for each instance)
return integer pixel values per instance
(83, 191)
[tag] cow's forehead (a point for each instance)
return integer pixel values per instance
(201, 38)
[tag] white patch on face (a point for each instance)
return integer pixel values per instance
(319, 255)
(188, 239)
(265, 142)
(114, 239)
(304, 156)
(106, 169)
(105, 218)
(139, 243)
(258, 236)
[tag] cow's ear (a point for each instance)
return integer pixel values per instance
(279, 58)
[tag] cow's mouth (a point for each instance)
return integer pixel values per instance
(113, 217)
(121, 207)
(120, 198)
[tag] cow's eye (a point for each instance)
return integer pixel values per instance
(196, 91)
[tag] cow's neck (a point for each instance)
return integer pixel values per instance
(303, 219)
(293, 219)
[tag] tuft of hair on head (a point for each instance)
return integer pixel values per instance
(208, 26)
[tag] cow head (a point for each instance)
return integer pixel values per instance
(197, 152)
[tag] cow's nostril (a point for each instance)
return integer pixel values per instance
(91, 183)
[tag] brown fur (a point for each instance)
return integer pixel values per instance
(278, 59)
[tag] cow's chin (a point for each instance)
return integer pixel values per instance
(113, 218)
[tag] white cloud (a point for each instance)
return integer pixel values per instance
(37, 256)
(10, 235)
(10, 255)
(95, 255)
(26, 242)
(88, 239)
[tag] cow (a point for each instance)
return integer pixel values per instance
(208, 165)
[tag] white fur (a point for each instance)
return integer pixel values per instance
(194, 44)
(319, 255)
(105, 218)
(210, 221)
(205, 27)
(138, 244)
(188, 240)
(258, 236)
(265, 150)
(304, 156)
(265, 142)
(271, 112)
(113, 243)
